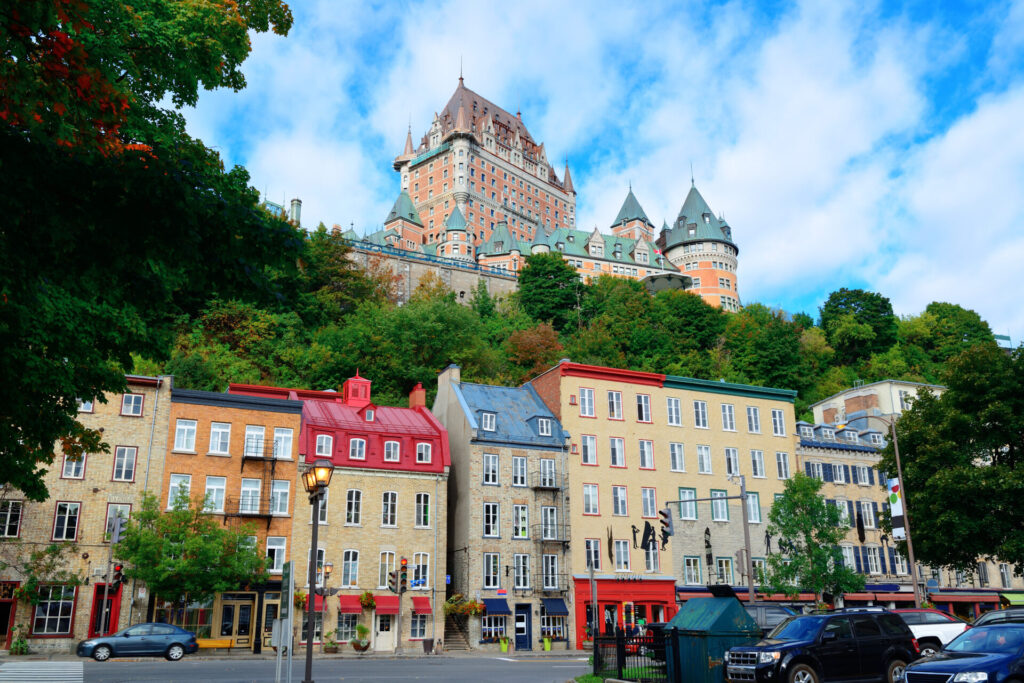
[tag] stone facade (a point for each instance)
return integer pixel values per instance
(83, 497)
(887, 397)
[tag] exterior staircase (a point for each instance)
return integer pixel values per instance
(456, 638)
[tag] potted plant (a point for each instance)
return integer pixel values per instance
(360, 643)
(300, 600)
(588, 639)
(504, 643)
(367, 600)
(330, 644)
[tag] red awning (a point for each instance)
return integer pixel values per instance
(858, 596)
(349, 604)
(386, 604)
(958, 598)
(421, 605)
(318, 603)
(895, 597)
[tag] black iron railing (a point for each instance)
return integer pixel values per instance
(631, 658)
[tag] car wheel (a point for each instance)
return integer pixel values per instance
(101, 653)
(175, 652)
(802, 673)
(895, 671)
(928, 648)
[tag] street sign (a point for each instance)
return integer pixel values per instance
(287, 594)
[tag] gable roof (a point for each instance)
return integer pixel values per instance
(403, 209)
(631, 211)
(515, 410)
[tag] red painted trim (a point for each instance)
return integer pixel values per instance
(142, 410)
(21, 518)
(653, 466)
(650, 409)
(612, 374)
(642, 515)
(648, 591)
(144, 381)
(14, 609)
(107, 516)
(115, 610)
(74, 612)
(78, 521)
(64, 463)
(596, 461)
(135, 463)
(622, 451)
(593, 403)
(598, 567)
(626, 488)
(592, 514)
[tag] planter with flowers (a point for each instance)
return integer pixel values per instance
(367, 600)
(360, 643)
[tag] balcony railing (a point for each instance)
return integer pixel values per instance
(262, 449)
(249, 506)
(553, 583)
(546, 479)
(550, 533)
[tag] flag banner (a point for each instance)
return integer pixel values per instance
(899, 532)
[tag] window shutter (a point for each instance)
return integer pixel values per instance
(882, 477)
(856, 560)
(854, 472)
(892, 559)
(826, 471)
(847, 470)
(881, 560)
(853, 517)
(874, 505)
(871, 476)
(807, 468)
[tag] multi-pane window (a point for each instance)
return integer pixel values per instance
(84, 406)
(651, 562)
(179, 483)
(728, 417)
(616, 452)
(782, 464)
(74, 467)
(815, 470)
(649, 501)
(131, 404)
(704, 459)
(593, 553)
(357, 449)
(385, 565)
(867, 512)
(491, 468)
(687, 510)
(621, 556)
(492, 523)
(544, 426)
(753, 419)
(838, 473)
(549, 567)
(522, 570)
(590, 499)
(1004, 574)
(691, 571)
(389, 509)
(280, 491)
(844, 512)
(643, 408)
(586, 402)
(10, 518)
(65, 522)
(676, 460)
(724, 567)
(346, 627)
(700, 414)
(675, 416)
(124, 463)
(757, 463)
(423, 452)
(753, 507)
(899, 564)
(589, 449)
(52, 617)
(848, 560)
(547, 472)
(719, 506)
(520, 521)
(646, 455)
(115, 510)
(490, 568)
(353, 507)
(250, 500)
(350, 568)
(392, 451)
(806, 432)
(185, 435)
(549, 523)
(863, 478)
(874, 565)
(619, 500)
(254, 437)
(324, 445)
(423, 509)
(322, 507)
(732, 461)
(321, 554)
(518, 470)
(488, 421)
(283, 443)
(220, 437)
(420, 570)
(276, 546)
(615, 405)
(760, 567)
(778, 422)
(214, 500)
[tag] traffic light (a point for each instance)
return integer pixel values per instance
(403, 576)
(119, 524)
(667, 526)
(393, 581)
(118, 577)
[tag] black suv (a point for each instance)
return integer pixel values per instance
(845, 645)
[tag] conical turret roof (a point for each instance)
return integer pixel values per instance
(403, 209)
(567, 180)
(631, 211)
(455, 221)
(697, 222)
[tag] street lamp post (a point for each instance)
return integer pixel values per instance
(316, 480)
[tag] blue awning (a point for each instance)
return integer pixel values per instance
(496, 606)
(555, 607)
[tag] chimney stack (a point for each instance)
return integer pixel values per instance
(295, 215)
(418, 396)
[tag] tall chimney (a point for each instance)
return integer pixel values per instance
(418, 396)
(295, 215)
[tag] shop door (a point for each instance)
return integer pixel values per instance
(103, 617)
(523, 627)
(384, 633)
(611, 619)
(236, 621)
(270, 612)
(7, 609)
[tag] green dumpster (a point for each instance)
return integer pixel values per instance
(701, 633)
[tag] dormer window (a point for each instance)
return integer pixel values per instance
(828, 434)
(369, 416)
(488, 422)
(544, 426)
(806, 432)
(852, 437)
(571, 238)
(876, 439)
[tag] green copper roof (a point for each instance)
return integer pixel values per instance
(405, 210)
(574, 243)
(631, 211)
(697, 222)
(455, 221)
(502, 242)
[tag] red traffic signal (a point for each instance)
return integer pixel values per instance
(118, 577)
(403, 575)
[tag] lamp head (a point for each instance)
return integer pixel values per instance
(328, 568)
(323, 470)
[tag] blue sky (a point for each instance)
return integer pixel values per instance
(861, 144)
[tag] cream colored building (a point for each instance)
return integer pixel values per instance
(887, 397)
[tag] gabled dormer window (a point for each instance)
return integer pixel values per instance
(544, 426)
(828, 434)
(876, 439)
(369, 415)
(806, 432)
(488, 421)
(852, 437)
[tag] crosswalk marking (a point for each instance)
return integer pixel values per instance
(42, 672)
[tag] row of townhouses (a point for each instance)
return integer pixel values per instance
(526, 501)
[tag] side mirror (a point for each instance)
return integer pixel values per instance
(828, 635)
(126, 635)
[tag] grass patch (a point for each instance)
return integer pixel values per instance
(589, 678)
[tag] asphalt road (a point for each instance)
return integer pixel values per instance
(548, 669)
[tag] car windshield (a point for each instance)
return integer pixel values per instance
(989, 639)
(797, 628)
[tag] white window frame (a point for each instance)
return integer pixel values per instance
(652, 561)
(549, 571)
(719, 508)
(649, 502)
(677, 457)
(54, 610)
(732, 461)
(616, 452)
(753, 507)
(392, 451)
(862, 475)
(278, 544)
(700, 414)
(691, 571)
(838, 474)
(131, 407)
(621, 555)
(549, 523)
(703, 459)
(753, 419)
(592, 548)
(357, 448)
(646, 449)
(422, 520)
(728, 417)
(125, 458)
(283, 443)
(74, 468)
(614, 405)
(350, 568)
(620, 507)
(848, 556)
(491, 575)
(817, 470)
(216, 487)
(867, 512)
(521, 571)
(280, 497)
(544, 426)
(591, 504)
(69, 508)
(176, 482)
(10, 510)
(587, 402)
(323, 508)
(687, 510)
(220, 438)
(491, 519)
(757, 464)
(490, 469)
(588, 449)
(778, 422)
(723, 565)
(782, 464)
(488, 422)
(674, 409)
(122, 510)
(255, 436)
(643, 408)
(324, 445)
(423, 453)
(872, 553)
(249, 496)
(421, 571)
(353, 507)
(520, 521)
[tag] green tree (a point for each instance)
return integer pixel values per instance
(962, 455)
(955, 329)
(116, 221)
(549, 289)
(765, 348)
(36, 565)
(858, 323)
(808, 535)
(186, 551)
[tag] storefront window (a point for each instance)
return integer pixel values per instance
(195, 616)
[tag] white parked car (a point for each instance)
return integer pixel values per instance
(932, 628)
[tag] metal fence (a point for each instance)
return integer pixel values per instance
(631, 658)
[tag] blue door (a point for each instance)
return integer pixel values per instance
(523, 627)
